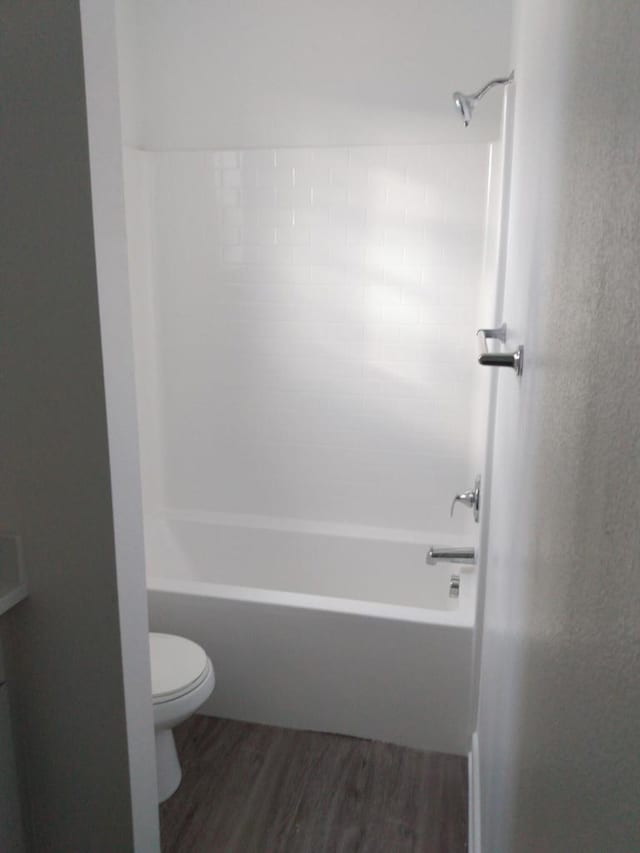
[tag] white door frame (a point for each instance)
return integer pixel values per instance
(107, 190)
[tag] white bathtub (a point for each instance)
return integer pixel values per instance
(320, 629)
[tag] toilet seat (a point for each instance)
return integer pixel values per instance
(182, 679)
(178, 666)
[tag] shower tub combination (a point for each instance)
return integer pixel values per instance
(352, 634)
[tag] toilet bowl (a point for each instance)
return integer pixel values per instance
(182, 678)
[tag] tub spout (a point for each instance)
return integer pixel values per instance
(437, 554)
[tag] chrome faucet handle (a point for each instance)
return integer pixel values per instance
(514, 359)
(466, 498)
(470, 499)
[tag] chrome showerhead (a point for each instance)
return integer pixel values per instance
(465, 104)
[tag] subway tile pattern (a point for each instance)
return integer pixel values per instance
(315, 314)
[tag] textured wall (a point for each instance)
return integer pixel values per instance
(308, 317)
(560, 686)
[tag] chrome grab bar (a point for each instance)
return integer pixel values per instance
(514, 360)
(439, 554)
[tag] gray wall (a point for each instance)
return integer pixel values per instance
(62, 645)
(560, 682)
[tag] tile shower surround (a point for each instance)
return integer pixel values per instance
(314, 313)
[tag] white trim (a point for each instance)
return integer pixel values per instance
(107, 194)
(475, 842)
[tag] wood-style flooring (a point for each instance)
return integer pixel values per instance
(259, 789)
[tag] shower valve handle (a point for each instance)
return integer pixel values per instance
(466, 498)
(470, 499)
(515, 359)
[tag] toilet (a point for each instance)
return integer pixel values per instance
(182, 678)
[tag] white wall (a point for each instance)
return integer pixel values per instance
(305, 298)
(219, 74)
(560, 683)
(305, 319)
(62, 645)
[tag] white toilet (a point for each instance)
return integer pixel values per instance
(182, 678)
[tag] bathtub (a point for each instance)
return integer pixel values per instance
(317, 627)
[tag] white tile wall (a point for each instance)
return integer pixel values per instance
(316, 311)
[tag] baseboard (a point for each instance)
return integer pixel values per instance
(475, 845)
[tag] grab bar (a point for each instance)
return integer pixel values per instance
(514, 360)
(439, 554)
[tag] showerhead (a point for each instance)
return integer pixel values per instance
(465, 104)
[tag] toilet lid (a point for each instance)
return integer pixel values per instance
(177, 666)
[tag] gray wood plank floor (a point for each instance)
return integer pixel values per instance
(259, 789)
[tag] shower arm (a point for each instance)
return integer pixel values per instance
(499, 81)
